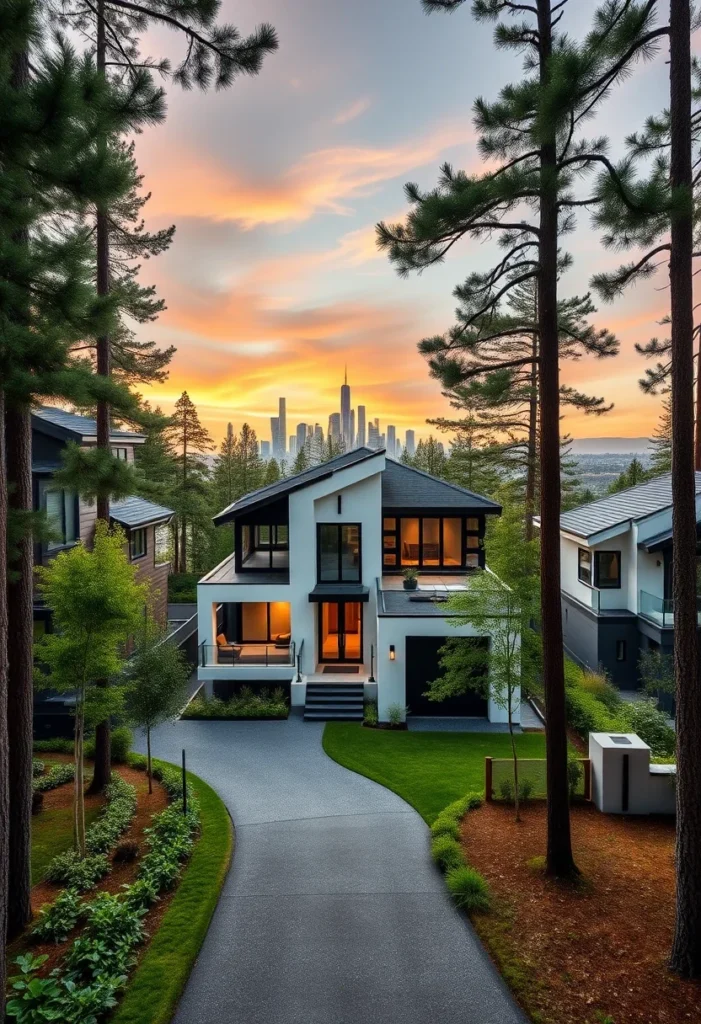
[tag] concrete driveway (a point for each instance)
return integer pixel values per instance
(332, 912)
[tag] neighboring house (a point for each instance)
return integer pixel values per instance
(312, 597)
(617, 578)
(72, 518)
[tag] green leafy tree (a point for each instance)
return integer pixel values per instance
(534, 133)
(156, 678)
(502, 604)
(656, 672)
(272, 472)
(97, 605)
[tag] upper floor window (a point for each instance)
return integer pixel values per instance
(599, 568)
(338, 552)
(61, 511)
(431, 542)
(137, 543)
(120, 453)
(162, 544)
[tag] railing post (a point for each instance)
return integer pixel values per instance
(488, 779)
(202, 655)
(372, 664)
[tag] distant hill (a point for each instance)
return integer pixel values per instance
(609, 445)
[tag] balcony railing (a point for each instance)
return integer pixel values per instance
(235, 654)
(660, 610)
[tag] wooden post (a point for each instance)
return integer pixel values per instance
(488, 779)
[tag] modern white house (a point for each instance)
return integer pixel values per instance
(616, 558)
(313, 598)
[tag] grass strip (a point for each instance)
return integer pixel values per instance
(159, 979)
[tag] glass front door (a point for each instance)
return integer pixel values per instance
(340, 631)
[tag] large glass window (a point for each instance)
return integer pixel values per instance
(137, 543)
(607, 569)
(265, 622)
(431, 541)
(410, 541)
(339, 552)
(452, 539)
(584, 569)
(60, 509)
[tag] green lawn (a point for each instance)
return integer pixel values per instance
(428, 769)
(52, 833)
(160, 977)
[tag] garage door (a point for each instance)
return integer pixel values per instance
(422, 668)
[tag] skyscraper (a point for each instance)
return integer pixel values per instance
(345, 412)
(391, 441)
(374, 434)
(352, 429)
(282, 429)
(335, 425)
(301, 435)
(274, 435)
(292, 449)
(265, 450)
(410, 443)
(361, 426)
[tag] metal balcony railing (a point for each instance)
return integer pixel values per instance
(260, 655)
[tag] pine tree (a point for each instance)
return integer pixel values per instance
(630, 477)
(430, 457)
(661, 443)
(272, 472)
(301, 462)
(534, 130)
(190, 440)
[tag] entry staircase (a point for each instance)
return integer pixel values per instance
(334, 702)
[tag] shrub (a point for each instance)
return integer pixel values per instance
(599, 686)
(57, 745)
(446, 825)
(37, 768)
(446, 852)
(75, 872)
(525, 790)
(468, 888)
(370, 716)
(396, 714)
(115, 818)
(58, 919)
(506, 790)
(246, 704)
(56, 776)
(126, 853)
(645, 718)
(182, 587)
(37, 802)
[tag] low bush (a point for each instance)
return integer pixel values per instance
(370, 716)
(446, 825)
(468, 888)
(57, 745)
(116, 817)
(58, 919)
(525, 790)
(599, 686)
(182, 587)
(75, 872)
(37, 768)
(245, 704)
(396, 714)
(645, 718)
(446, 852)
(56, 776)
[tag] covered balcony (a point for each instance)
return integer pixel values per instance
(250, 633)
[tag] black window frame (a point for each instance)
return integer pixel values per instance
(339, 528)
(136, 555)
(467, 530)
(585, 551)
(44, 485)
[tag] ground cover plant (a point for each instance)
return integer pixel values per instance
(262, 703)
(596, 950)
(427, 769)
(57, 775)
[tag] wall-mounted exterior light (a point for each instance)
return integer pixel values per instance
(392, 653)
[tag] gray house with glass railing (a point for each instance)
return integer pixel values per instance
(617, 578)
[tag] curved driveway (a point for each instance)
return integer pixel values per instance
(332, 912)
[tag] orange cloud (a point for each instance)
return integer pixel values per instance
(325, 180)
(354, 110)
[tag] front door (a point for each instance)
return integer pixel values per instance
(340, 631)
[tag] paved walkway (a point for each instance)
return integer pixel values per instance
(332, 912)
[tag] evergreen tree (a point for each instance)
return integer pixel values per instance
(661, 443)
(301, 460)
(635, 474)
(430, 457)
(272, 472)
(475, 459)
(535, 131)
(190, 440)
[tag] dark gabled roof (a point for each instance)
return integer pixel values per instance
(404, 487)
(281, 488)
(70, 426)
(133, 512)
(627, 506)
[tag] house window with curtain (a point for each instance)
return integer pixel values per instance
(607, 569)
(137, 543)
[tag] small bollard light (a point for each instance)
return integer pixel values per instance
(392, 654)
(184, 785)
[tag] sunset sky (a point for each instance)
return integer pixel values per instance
(273, 282)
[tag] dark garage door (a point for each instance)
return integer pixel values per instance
(422, 667)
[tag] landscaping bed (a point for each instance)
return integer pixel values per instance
(593, 952)
(247, 704)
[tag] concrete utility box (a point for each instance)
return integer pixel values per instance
(620, 770)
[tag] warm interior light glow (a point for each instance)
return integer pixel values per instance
(392, 654)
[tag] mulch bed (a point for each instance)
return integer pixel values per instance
(592, 952)
(119, 874)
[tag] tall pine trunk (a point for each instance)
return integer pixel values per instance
(559, 860)
(697, 440)
(532, 449)
(103, 753)
(183, 521)
(686, 946)
(18, 453)
(4, 760)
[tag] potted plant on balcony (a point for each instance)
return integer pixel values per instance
(411, 578)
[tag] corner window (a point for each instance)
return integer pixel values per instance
(338, 552)
(584, 568)
(61, 511)
(607, 566)
(137, 544)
